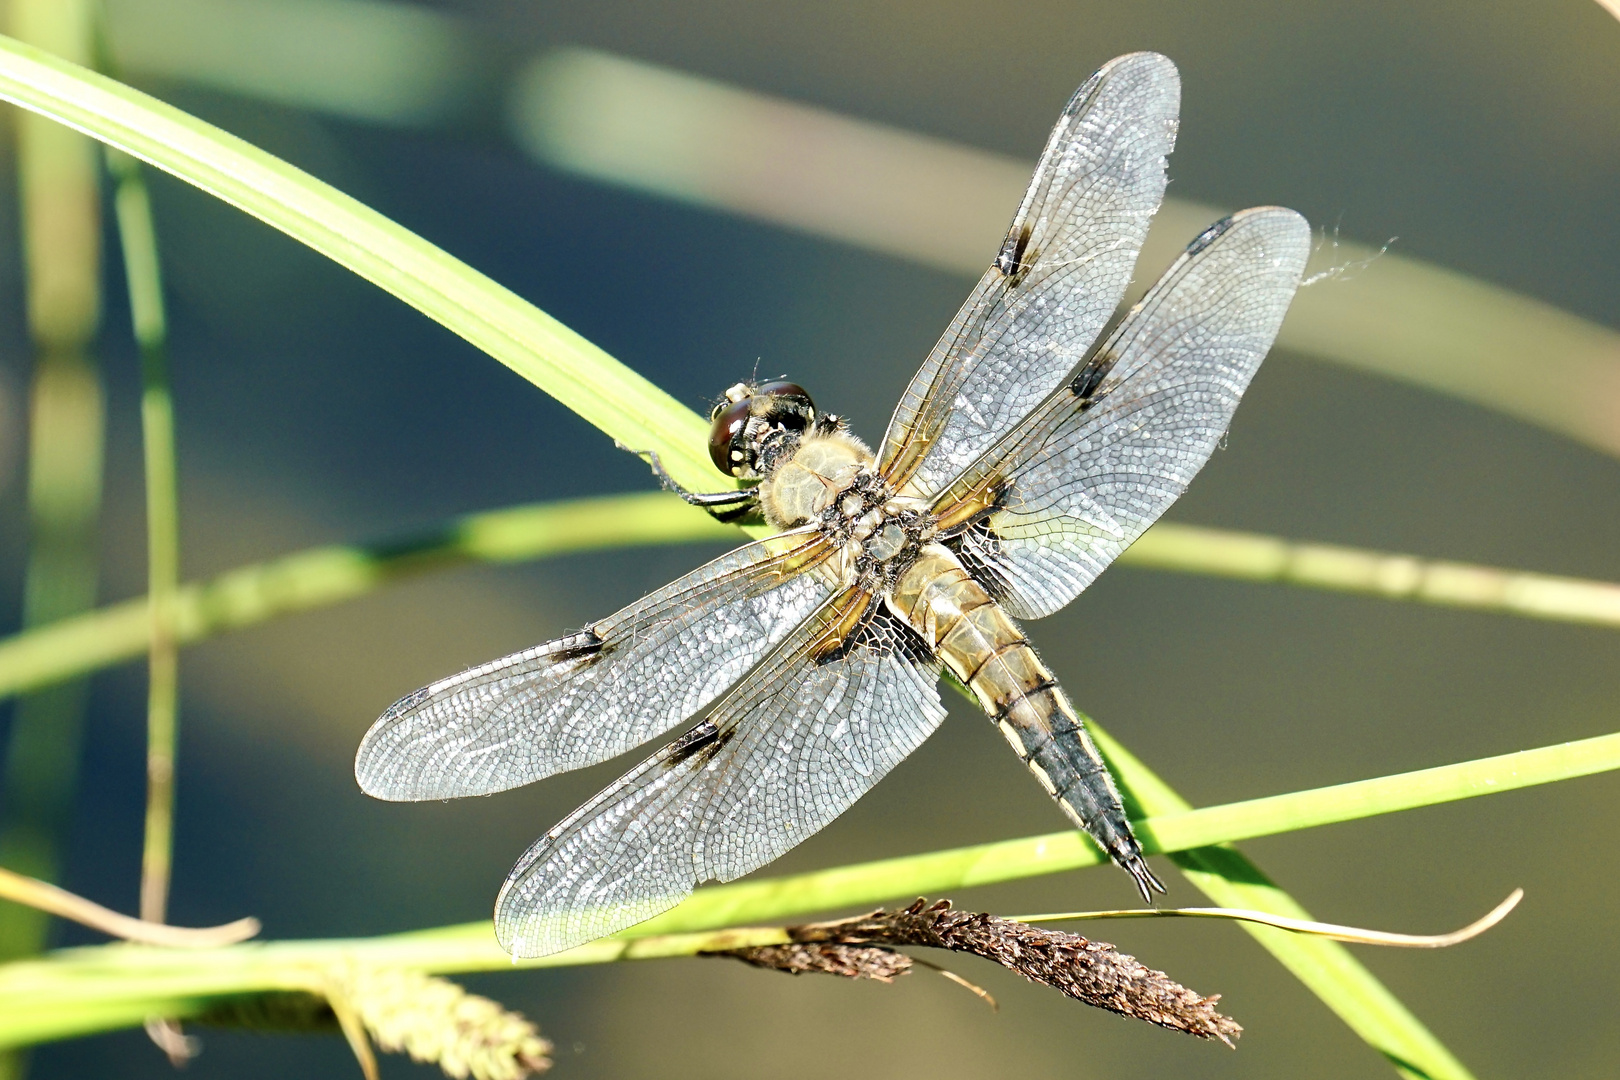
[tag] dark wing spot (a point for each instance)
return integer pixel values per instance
(1209, 236)
(1090, 377)
(978, 547)
(881, 633)
(853, 613)
(859, 636)
(834, 651)
(584, 646)
(406, 704)
(900, 639)
(705, 739)
(1011, 260)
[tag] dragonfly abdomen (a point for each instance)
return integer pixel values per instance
(987, 651)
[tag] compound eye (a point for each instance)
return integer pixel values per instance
(790, 405)
(726, 437)
(786, 390)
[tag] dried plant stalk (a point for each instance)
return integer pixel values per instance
(1090, 971)
(827, 958)
(44, 896)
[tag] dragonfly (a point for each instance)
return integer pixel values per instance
(1029, 450)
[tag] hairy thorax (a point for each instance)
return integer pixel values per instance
(829, 481)
(801, 489)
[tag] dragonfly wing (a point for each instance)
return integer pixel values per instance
(1097, 463)
(595, 694)
(1058, 279)
(810, 730)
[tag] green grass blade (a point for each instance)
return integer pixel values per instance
(142, 271)
(1193, 549)
(1170, 825)
(1355, 995)
(329, 575)
(92, 989)
(492, 317)
(1231, 879)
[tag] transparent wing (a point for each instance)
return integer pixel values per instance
(1058, 279)
(1085, 474)
(788, 750)
(595, 694)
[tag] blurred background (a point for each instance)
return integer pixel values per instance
(313, 408)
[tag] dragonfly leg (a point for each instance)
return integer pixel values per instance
(727, 506)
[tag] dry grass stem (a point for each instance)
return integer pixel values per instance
(827, 958)
(1352, 934)
(176, 1045)
(46, 897)
(878, 962)
(1090, 971)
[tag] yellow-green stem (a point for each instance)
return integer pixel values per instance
(83, 990)
(142, 272)
(1231, 879)
(577, 373)
(323, 576)
(1193, 549)
(330, 575)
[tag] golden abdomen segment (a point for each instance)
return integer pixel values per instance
(988, 652)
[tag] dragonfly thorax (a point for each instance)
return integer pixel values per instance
(804, 484)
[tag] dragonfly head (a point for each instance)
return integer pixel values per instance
(752, 415)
